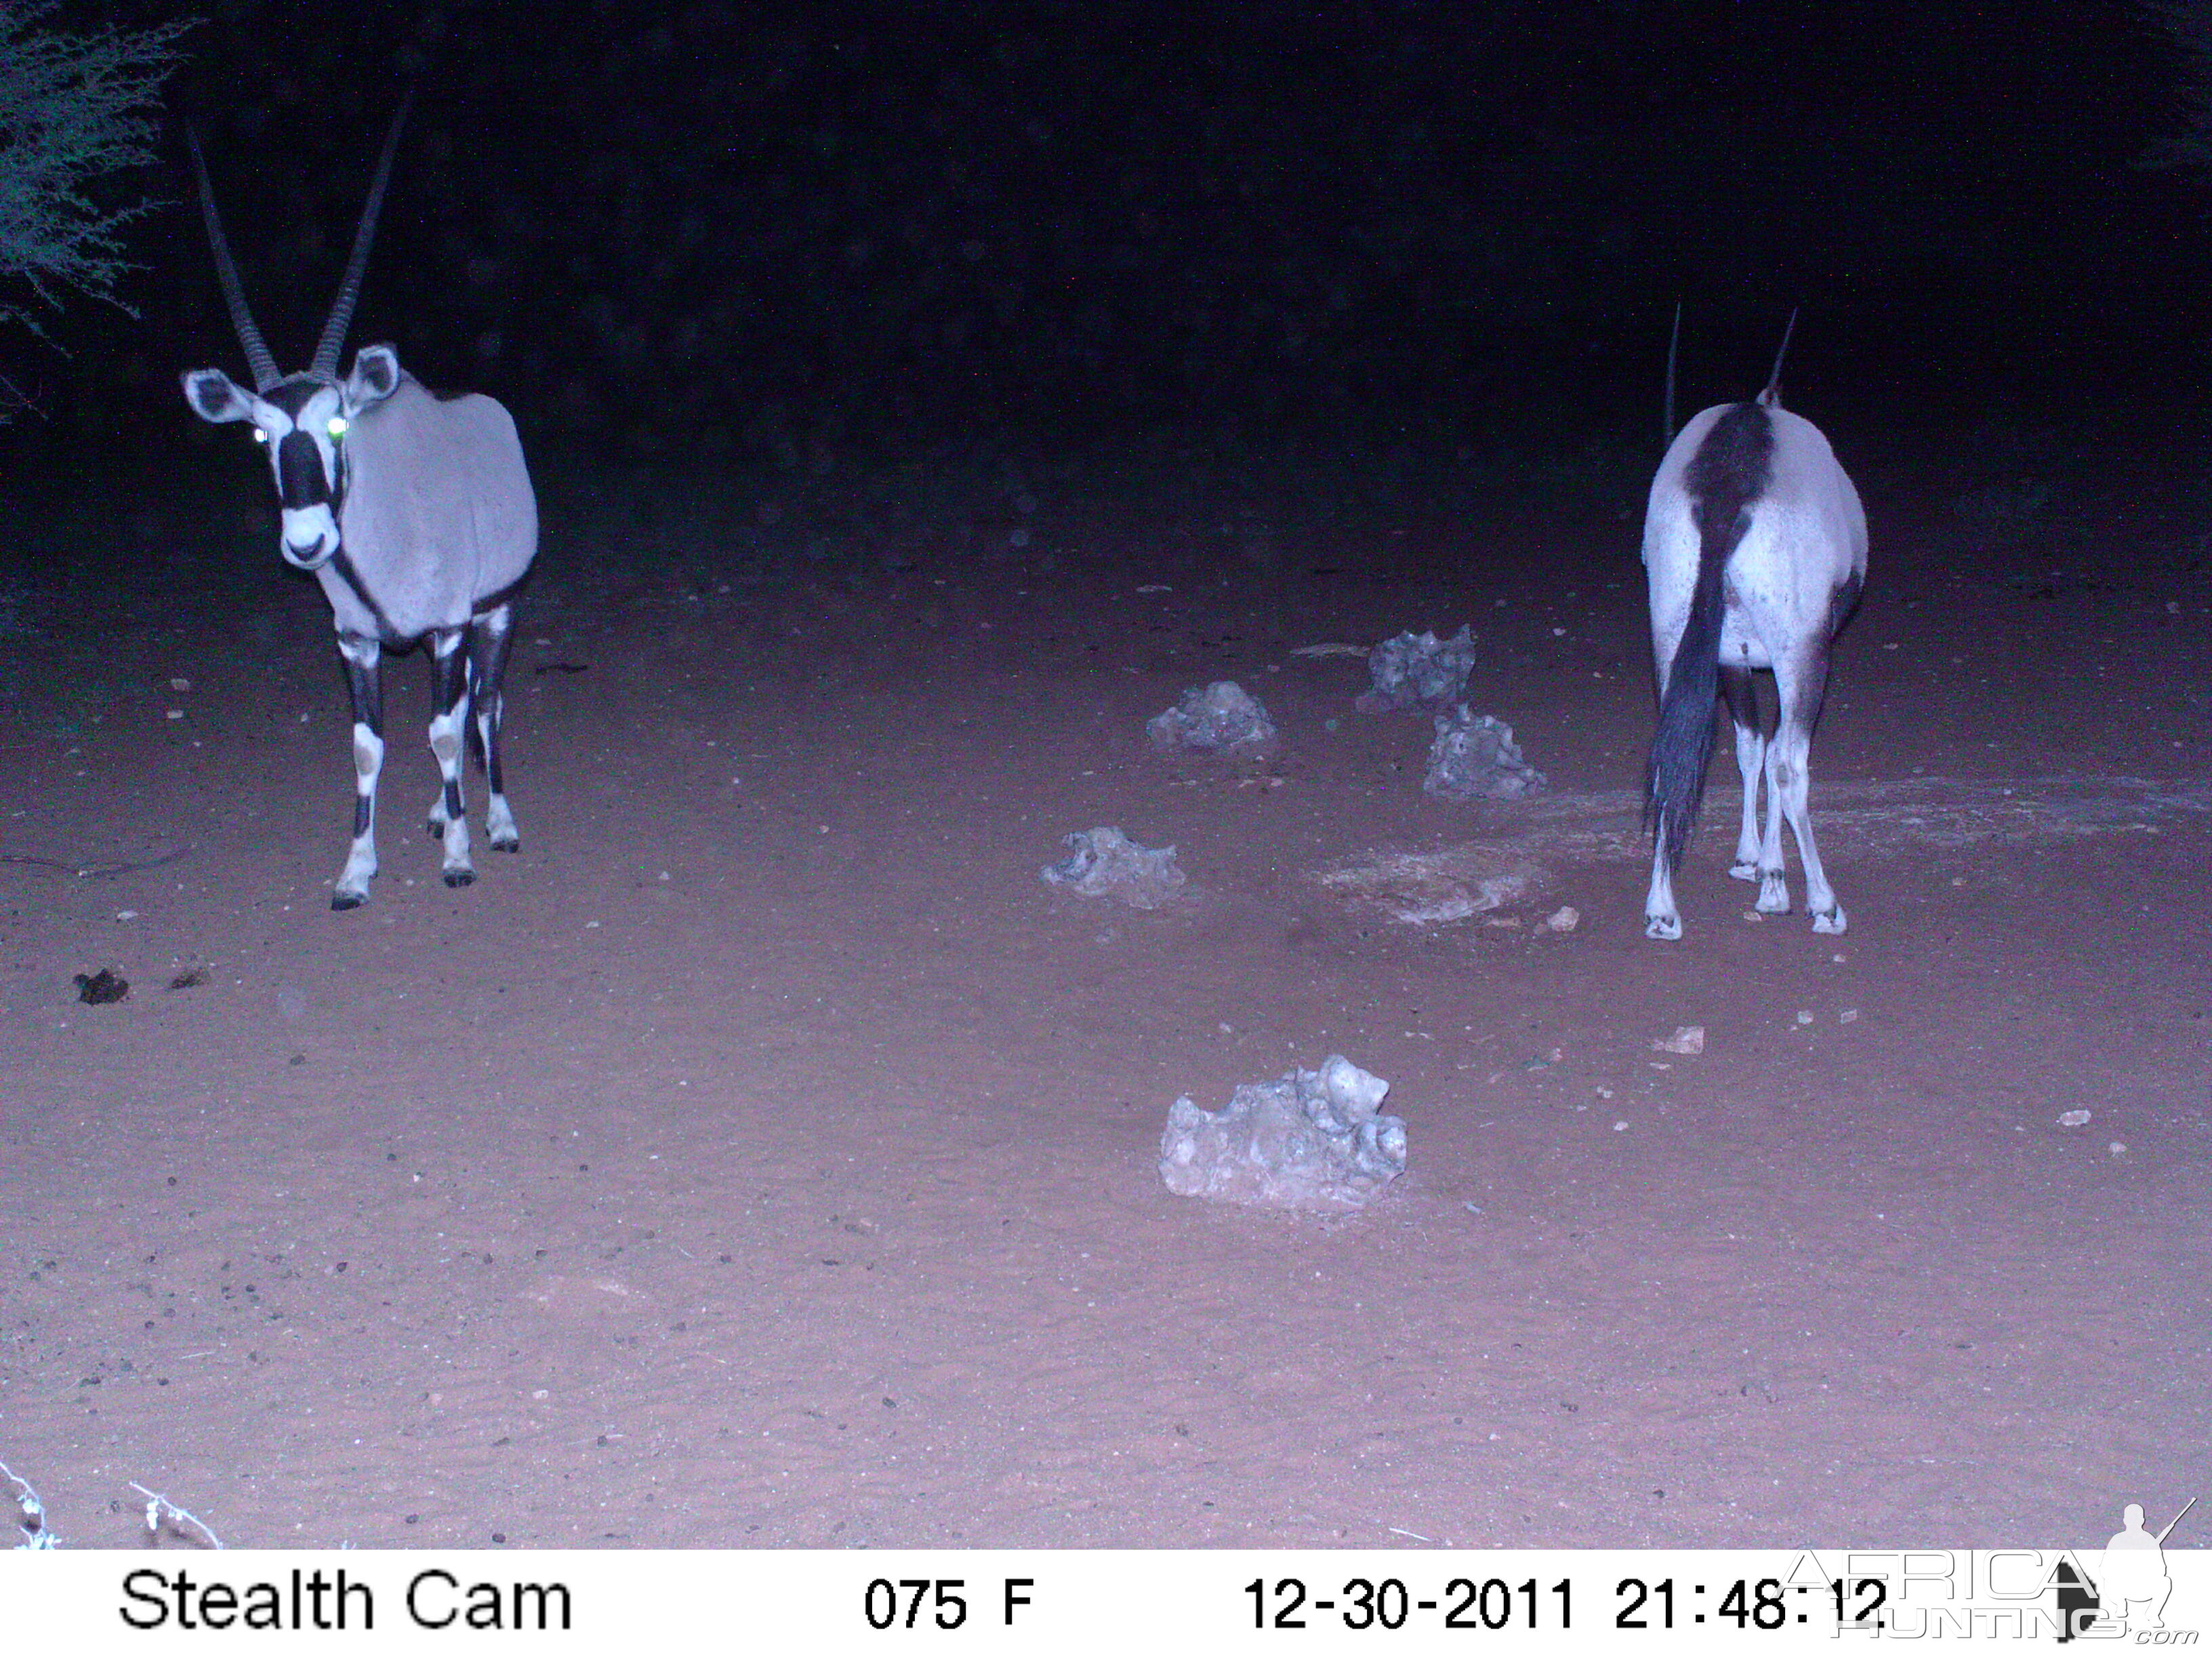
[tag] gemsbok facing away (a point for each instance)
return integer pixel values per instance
(415, 513)
(1755, 548)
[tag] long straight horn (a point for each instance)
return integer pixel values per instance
(334, 331)
(1666, 415)
(257, 356)
(1773, 393)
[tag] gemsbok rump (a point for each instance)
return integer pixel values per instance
(1755, 548)
(415, 513)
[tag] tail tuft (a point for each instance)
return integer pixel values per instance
(1682, 749)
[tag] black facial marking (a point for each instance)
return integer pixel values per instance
(300, 477)
(291, 396)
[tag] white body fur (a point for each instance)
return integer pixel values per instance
(1785, 588)
(440, 513)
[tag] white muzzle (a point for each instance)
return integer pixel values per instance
(310, 536)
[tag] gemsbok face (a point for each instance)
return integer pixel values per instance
(415, 514)
(302, 423)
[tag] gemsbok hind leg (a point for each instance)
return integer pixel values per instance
(1802, 680)
(1741, 693)
(362, 656)
(449, 722)
(489, 639)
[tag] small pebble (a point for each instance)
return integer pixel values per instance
(2073, 1120)
(1686, 1040)
(1619, 1123)
(1849, 1015)
(2117, 1148)
(1565, 920)
(1804, 1016)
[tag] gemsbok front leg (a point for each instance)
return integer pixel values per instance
(490, 639)
(365, 686)
(449, 723)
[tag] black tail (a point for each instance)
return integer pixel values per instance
(1724, 479)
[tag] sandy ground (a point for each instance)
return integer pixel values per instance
(765, 1156)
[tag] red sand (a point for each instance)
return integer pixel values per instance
(765, 1156)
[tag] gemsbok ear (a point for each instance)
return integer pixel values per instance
(375, 377)
(215, 397)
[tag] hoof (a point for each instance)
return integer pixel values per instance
(460, 878)
(342, 900)
(1773, 896)
(506, 844)
(1662, 927)
(1745, 870)
(1830, 921)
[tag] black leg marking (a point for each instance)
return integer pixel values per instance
(490, 643)
(364, 679)
(449, 668)
(362, 658)
(1742, 690)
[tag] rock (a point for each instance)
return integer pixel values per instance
(1310, 1140)
(1222, 715)
(1475, 758)
(2073, 1120)
(105, 986)
(1565, 920)
(1686, 1040)
(1102, 862)
(1412, 668)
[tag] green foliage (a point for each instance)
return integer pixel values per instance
(74, 109)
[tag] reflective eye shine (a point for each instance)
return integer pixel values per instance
(259, 436)
(338, 426)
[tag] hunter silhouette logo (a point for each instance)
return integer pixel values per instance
(2131, 1584)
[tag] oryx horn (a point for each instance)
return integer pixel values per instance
(325, 362)
(257, 356)
(1774, 380)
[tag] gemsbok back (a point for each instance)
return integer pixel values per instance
(415, 513)
(1755, 548)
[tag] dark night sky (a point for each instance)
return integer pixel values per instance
(716, 228)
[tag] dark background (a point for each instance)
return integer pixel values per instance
(752, 234)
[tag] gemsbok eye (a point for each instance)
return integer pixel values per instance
(259, 436)
(338, 426)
